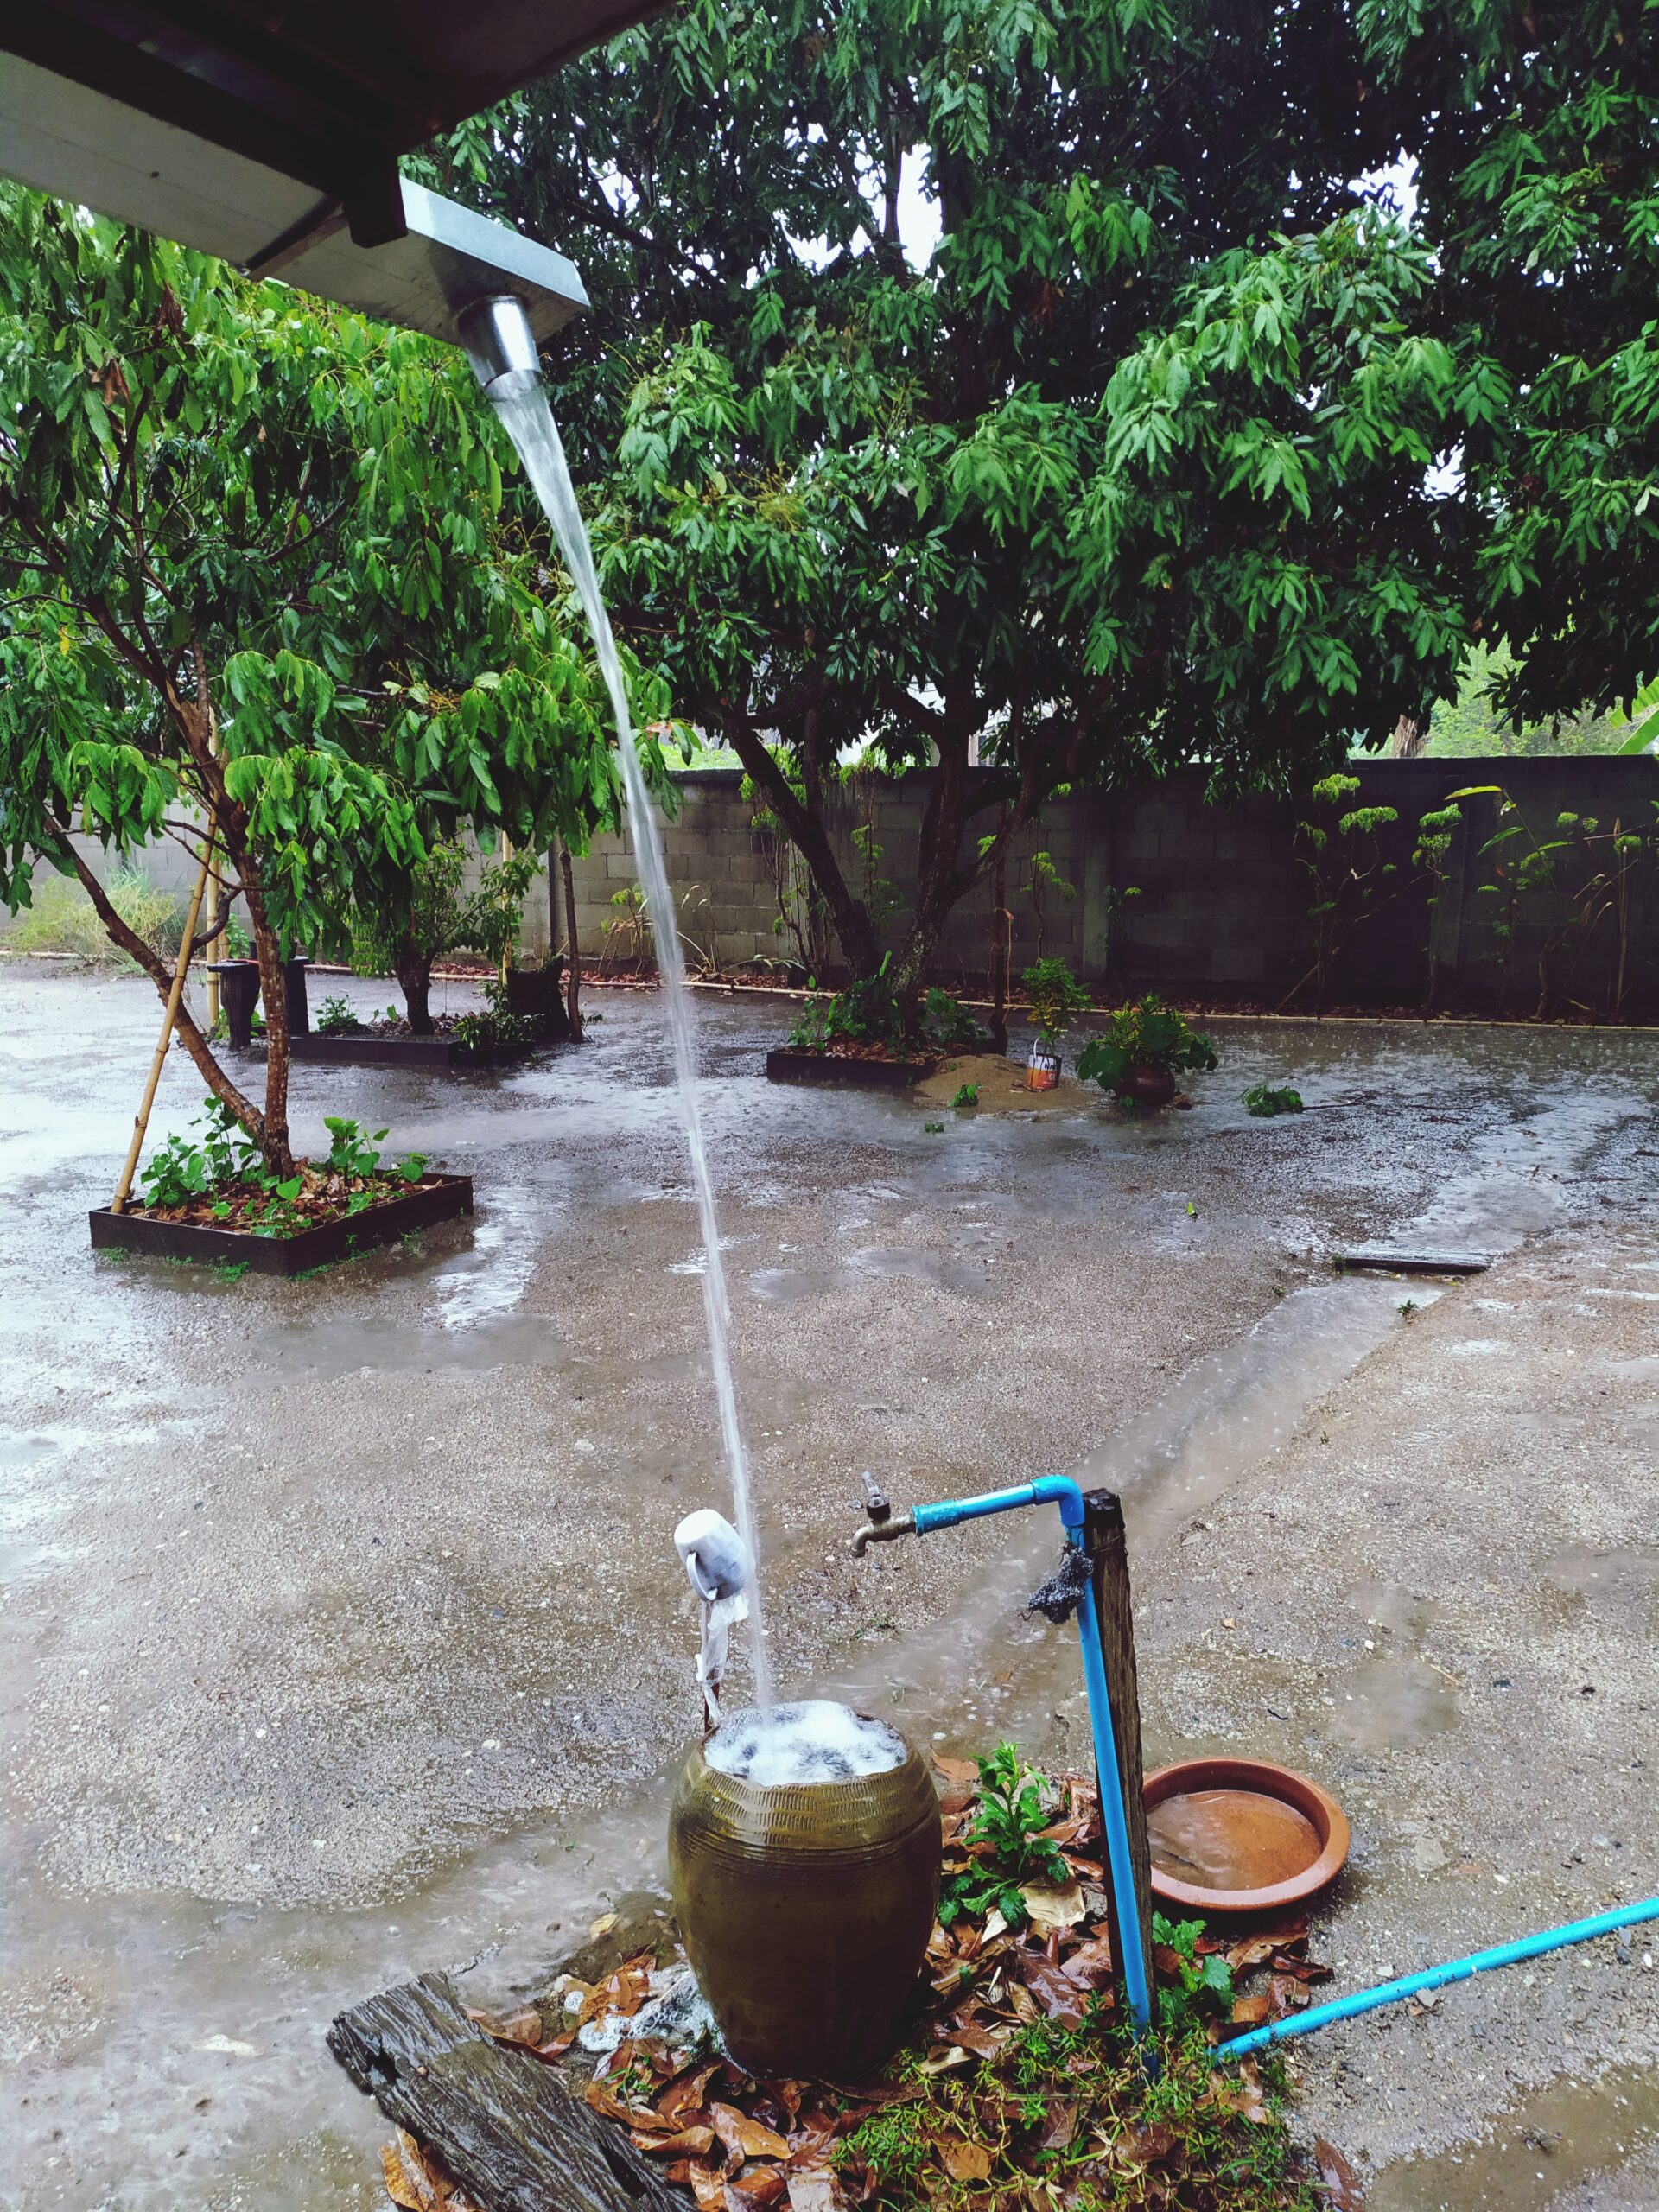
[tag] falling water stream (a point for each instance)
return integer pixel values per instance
(529, 423)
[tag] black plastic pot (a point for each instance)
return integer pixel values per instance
(537, 995)
(239, 995)
(440, 1197)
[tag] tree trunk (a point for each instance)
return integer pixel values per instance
(806, 825)
(234, 1101)
(572, 950)
(1001, 941)
(413, 970)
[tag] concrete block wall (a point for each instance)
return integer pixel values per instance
(1169, 893)
(1172, 894)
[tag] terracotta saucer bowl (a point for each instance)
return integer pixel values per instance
(1242, 1828)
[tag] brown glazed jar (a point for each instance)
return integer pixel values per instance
(806, 1911)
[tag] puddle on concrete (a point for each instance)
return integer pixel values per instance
(1556, 2141)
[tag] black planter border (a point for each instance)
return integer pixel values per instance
(441, 1197)
(784, 1064)
(332, 1048)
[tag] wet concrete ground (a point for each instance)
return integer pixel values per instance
(342, 1638)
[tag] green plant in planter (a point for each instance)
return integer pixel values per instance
(1056, 999)
(1150, 1035)
(334, 1015)
(869, 1013)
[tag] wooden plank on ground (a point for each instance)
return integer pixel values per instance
(504, 2123)
(1416, 1263)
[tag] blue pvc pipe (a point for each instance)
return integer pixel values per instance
(1047, 1490)
(1390, 1992)
(1059, 1490)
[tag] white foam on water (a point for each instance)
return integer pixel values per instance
(815, 1740)
(529, 423)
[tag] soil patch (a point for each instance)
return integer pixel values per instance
(1001, 1085)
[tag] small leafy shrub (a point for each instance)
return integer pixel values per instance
(62, 918)
(495, 1028)
(1150, 1035)
(186, 1168)
(868, 1013)
(1191, 1986)
(1263, 1101)
(967, 1095)
(1056, 999)
(933, 1128)
(334, 1015)
(1007, 1822)
(945, 1022)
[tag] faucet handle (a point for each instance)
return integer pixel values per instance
(876, 1500)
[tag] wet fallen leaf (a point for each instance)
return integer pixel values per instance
(1151, 2147)
(522, 2024)
(1251, 2012)
(707, 2188)
(1060, 2126)
(604, 2099)
(1253, 1951)
(813, 2189)
(684, 2097)
(415, 2180)
(745, 2138)
(688, 2143)
(1244, 2095)
(964, 2161)
(957, 1770)
(1284, 1995)
(983, 2041)
(1090, 1965)
(603, 1925)
(941, 2061)
(1338, 2179)
(756, 2186)
(1058, 1996)
(1054, 1904)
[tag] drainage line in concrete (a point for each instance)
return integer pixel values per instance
(1390, 1992)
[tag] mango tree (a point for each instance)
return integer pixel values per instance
(1183, 444)
(254, 586)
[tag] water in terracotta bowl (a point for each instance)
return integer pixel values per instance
(1241, 1835)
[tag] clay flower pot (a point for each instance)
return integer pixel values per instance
(806, 1911)
(1149, 1088)
(1251, 1837)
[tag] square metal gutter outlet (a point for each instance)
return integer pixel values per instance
(273, 140)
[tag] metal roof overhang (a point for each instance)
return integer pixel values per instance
(271, 136)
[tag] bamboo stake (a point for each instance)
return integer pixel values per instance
(141, 1120)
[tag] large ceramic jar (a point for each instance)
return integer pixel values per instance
(806, 1911)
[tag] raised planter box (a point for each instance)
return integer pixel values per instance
(441, 1197)
(785, 1065)
(337, 1050)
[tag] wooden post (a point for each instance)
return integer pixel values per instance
(1104, 1539)
(572, 950)
(141, 1120)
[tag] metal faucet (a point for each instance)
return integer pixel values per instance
(881, 1528)
(1058, 1490)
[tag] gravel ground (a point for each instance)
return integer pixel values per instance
(342, 1633)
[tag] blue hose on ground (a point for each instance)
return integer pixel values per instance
(1390, 1992)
